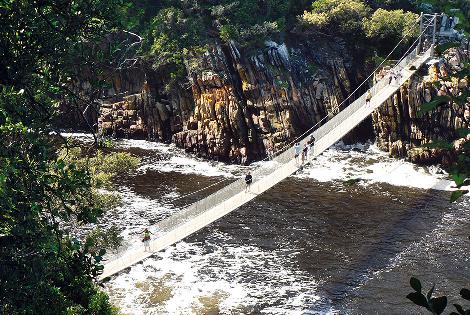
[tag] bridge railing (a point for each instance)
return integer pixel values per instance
(285, 157)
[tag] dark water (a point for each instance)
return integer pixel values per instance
(303, 247)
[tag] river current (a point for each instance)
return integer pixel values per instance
(314, 244)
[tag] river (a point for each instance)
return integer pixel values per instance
(314, 244)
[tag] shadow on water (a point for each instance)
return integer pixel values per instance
(343, 234)
(415, 222)
(339, 236)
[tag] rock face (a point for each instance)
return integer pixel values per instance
(401, 129)
(236, 105)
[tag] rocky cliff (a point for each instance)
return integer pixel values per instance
(236, 104)
(401, 129)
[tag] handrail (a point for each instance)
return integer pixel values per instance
(209, 209)
(237, 186)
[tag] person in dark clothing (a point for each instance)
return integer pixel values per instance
(305, 153)
(311, 144)
(248, 181)
(450, 22)
(391, 75)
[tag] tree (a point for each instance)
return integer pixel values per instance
(387, 28)
(45, 45)
(340, 17)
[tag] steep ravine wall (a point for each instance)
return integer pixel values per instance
(236, 105)
(398, 125)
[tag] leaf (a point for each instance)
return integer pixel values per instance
(459, 179)
(459, 309)
(438, 304)
(465, 293)
(463, 132)
(438, 144)
(418, 299)
(437, 101)
(429, 295)
(415, 284)
(455, 196)
(442, 48)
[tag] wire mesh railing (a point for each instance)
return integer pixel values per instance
(287, 156)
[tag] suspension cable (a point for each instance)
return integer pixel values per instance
(289, 144)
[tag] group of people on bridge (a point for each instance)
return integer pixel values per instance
(301, 154)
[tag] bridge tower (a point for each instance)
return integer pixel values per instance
(428, 30)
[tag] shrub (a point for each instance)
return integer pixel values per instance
(391, 25)
(337, 16)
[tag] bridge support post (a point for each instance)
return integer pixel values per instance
(434, 30)
(420, 43)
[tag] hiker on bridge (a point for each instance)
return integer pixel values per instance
(391, 76)
(305, 153)
(311, 144)
(270, 151)
(297, 152)
(248, 181)
(146, 239)
(368, 98)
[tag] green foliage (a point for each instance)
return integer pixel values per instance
(391, 25)
(361, 26)
(228, 32)
(440, 49)
(172, 32)
(435, 305)
(99, 238)
(435, 103)
(45, 45)
(337, 16)
(178, 28)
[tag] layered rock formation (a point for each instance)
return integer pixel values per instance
(401, 129)
(239, 104)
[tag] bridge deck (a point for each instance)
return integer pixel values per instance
(191, 219)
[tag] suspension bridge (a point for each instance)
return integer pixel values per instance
(326, 132)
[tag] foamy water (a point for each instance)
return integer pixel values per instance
(189, 278)
(367, 163)
(338, 163)
(215, 277)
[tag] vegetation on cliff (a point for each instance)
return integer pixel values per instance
(45, 269)
(46, 189)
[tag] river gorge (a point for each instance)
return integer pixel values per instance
(312, 245)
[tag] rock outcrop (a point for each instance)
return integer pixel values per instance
(236, 105)
(400, 127)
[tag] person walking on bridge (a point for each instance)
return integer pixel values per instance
(248, 181)
(304, 153)
(391, 75)
(146, 239)
(368, 98)
(297, 150)
(311, 144)
(398, 77)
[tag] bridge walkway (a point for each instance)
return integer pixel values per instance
(202, 213)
